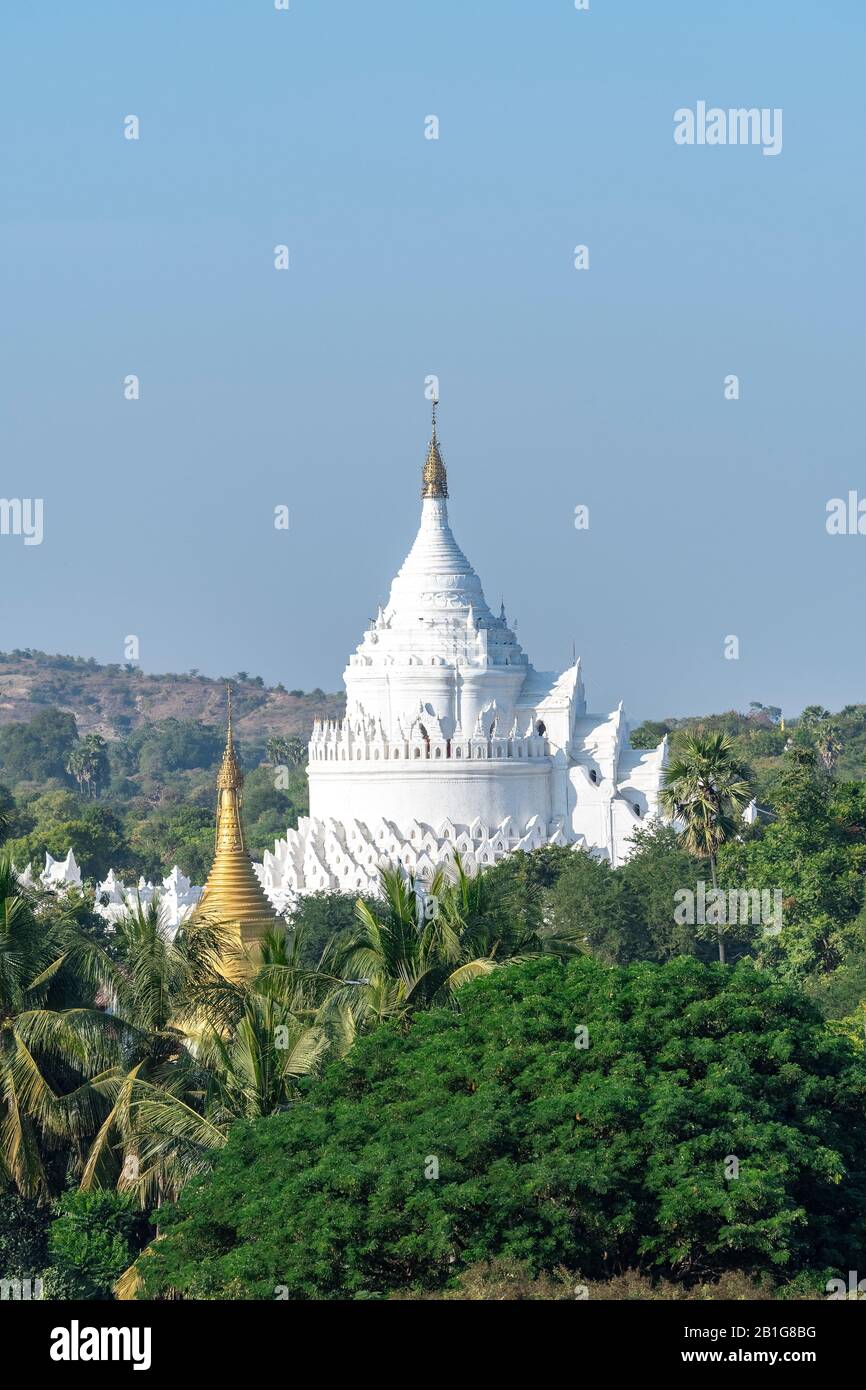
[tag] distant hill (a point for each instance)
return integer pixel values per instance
(839, 739)
(116, 700)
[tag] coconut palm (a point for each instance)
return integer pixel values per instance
(271, 1030)
(163, 990)
(52, 1038)
(201, 1050)
(254, 1070)
(707, 788)
(424, 940)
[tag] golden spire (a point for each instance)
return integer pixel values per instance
(435, 479)
(233, 899)
(230, 774)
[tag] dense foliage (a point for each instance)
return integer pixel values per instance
(93, 1238)
(489, 1132)
(138, 804)
(761, 738)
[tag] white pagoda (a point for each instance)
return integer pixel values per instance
(452, 741)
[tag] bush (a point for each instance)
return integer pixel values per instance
(615, 1156)
(95, 1238)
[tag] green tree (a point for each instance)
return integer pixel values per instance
(319, 920)
(24, 1224)
(96, 835)
(269, 808)
(657, 869)
(813, 852)
(275, 1033)
(590, 903)
(516, 889)
(7, 812)
(707, 788)
(182, 835)
(94, 1239)
(278, 750)
(813, 716)
(650, 733)
(490, 1132)
(198, 1051)
(828, 744)
(37, 751)
(175, 745)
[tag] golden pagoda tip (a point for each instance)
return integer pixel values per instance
(434, 477)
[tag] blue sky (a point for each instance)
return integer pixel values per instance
(455, 257)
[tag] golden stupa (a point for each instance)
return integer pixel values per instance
(233, 899)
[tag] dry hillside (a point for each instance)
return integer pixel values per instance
(114, 700)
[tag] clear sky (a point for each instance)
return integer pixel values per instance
(454, 257)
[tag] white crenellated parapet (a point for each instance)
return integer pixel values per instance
(61, 873)
(177, 897)
(58, 876)
(345, 856)
(363, 741)
(112, 898)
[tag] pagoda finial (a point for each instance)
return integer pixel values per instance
(435, 479)
(229, 775)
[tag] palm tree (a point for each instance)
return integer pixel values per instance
(262, 1036)
(163, 989)
(277, 750)
(52, 1038)
(829, 745)
(77, 765)
(254, 1070)
(297, 751)
(707, 788)
(269, 1032)
(88, 763)
(424, 941)
(200, 1051)
(286, 752)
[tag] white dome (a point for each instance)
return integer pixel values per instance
(436, 612)
(435, 575)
